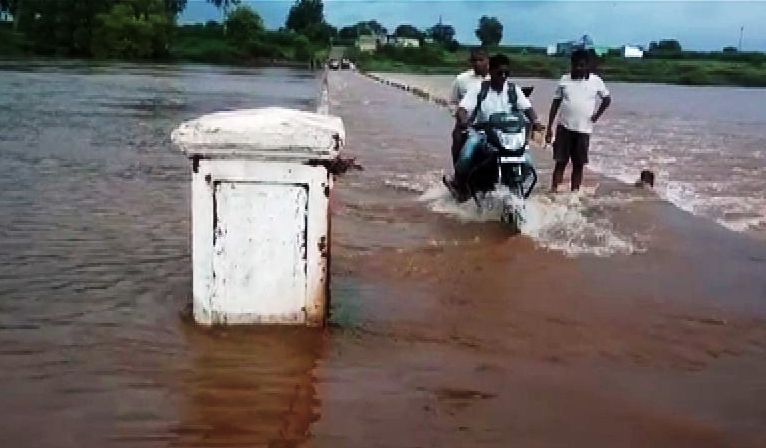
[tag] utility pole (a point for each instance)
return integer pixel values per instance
(741, 31)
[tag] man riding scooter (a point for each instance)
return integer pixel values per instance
(497, 95)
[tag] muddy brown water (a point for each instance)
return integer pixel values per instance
(452, 332)
(95, 346)
(445, 332)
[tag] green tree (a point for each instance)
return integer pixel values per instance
(305, 14)
(321, 33)
(243, 26)
(55, 27)
(306, 17)
(349, 32)
(371, 27)
(302, 49)
(490, 31)
(441, 33)
(408, 31)
(362, 28)
(137, 29)
(220, 3)
(666, 45)
(68, 27)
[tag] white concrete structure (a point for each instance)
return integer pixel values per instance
(260, 219)
(632, 52)
(550, 50)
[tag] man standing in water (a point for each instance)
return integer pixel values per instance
(465, 81)
(576, 94)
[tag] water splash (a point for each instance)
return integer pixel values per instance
(573, 223)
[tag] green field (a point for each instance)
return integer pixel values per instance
(685, 68)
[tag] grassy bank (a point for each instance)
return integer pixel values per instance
(747, 69)
(206, 44)
(11, 42)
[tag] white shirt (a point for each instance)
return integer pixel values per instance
(463, 82)
(494, 102)
(578, 101)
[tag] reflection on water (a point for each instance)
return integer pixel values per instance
(246, 387)
(94, 249)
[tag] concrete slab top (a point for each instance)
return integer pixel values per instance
(271, 133)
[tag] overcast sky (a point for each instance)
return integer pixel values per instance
(698, 25)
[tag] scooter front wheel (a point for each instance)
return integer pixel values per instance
(513, 210)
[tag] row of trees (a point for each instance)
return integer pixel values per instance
(144, 28)
(244, 31)
(102, 28)
(489, 32)
(306, 18)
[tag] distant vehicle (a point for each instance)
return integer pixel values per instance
(334, 64)
(345, 64)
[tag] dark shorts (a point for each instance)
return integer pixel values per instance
(570, 145)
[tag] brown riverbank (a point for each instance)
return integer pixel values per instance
(455, 334)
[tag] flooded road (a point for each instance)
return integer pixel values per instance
(705, 144)
(449, 331)
(445, 330)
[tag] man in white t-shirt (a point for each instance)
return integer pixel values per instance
(479, 72)
(497, 100)
(576, 95)
(463, 82)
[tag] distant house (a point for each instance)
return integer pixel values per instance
(629, 51)
(5, 17)
(583, 43)
(367, 43)
(407, 42)
(397, 41)
(371, 42)
(381, 39)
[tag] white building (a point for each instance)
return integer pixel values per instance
(407, 42)
(367, 43)
(629, 51)
(551, 50)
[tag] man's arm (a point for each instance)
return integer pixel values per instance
(454, 98)
(462, 118)
(468, 103)
(532, 117)
(523, 104)
(605, 102)
(555, 104)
